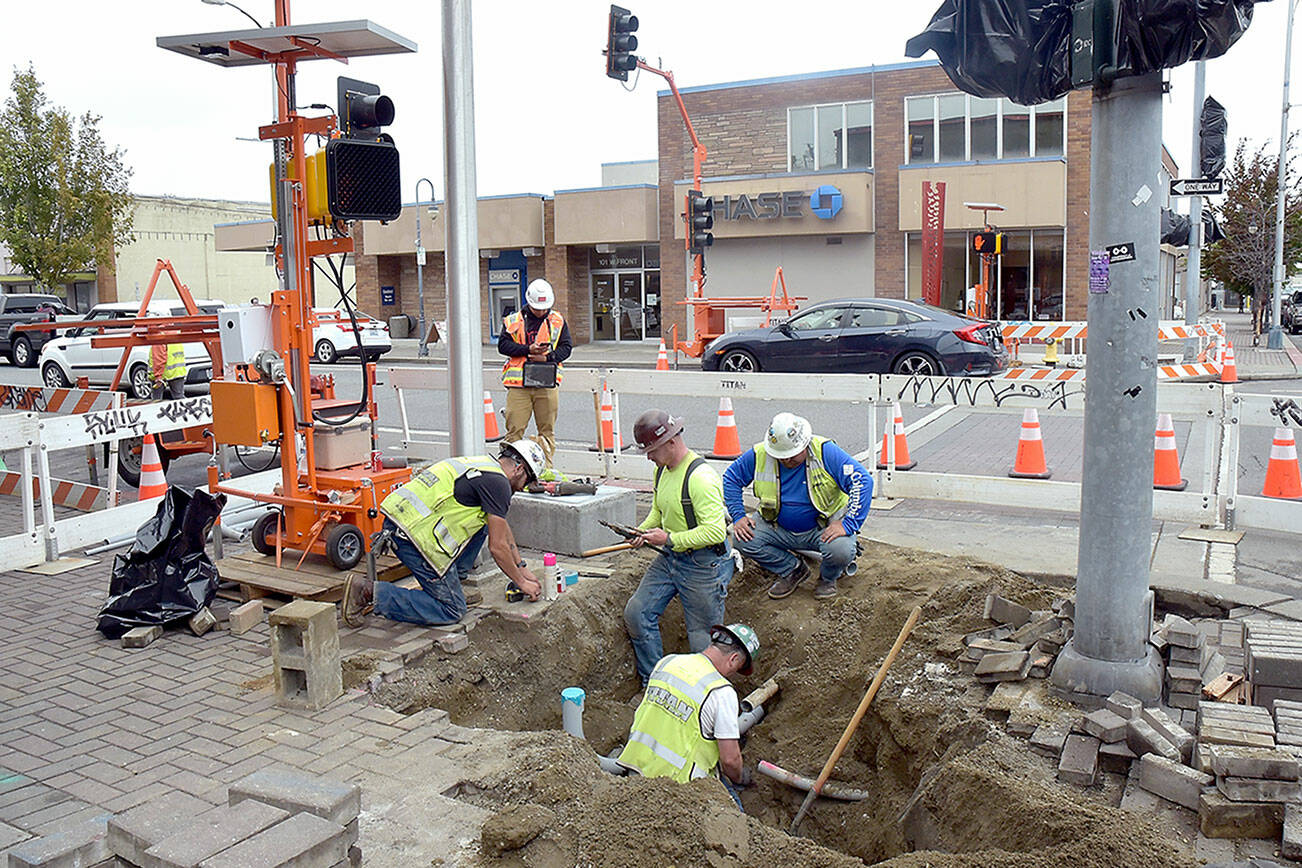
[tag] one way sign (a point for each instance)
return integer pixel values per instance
(1197, 186)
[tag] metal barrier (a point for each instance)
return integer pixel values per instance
(1071, 334)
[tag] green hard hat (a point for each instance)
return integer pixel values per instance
(741, 635)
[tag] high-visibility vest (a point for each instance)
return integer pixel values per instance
(824, 491)
(549, 333)
(175, 366)
(666, 740)
(435, 521)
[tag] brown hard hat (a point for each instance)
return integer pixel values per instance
(655, 427)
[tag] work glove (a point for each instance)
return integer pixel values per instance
(747, 778)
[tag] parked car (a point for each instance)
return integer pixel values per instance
(1290, 312)
(22, 348)
(334, 336)
(866, 336)
(70, 355)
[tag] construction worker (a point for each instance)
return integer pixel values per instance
(686, 725)
(168, 371)
(438, 522)
(535, 341)
(688, 521)
(813, 496)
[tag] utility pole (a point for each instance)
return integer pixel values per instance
(1193, 267)
(422, 347)
(1110, 649)
(465, 352)
(1275, 340)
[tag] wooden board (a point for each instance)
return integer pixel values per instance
(258, 576)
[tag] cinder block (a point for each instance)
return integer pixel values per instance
(1172, 781)
(1124, 705)
(1253, 762)
(1173, 732)
(1291, 844)
(305, 654)
(1079, 763)
(1048, 740)
(294, 791)
(1003, 611)
(244, 618)
(139, 637)
(78, 845)
(303, 841)
(202, 621)
(455, 643)
(1218, 817)
(1258, 790)
(1143, 739)
(133, 832)
(219, 829)
(568, 525)
(1105, 725)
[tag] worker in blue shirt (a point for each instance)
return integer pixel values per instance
(812, 496)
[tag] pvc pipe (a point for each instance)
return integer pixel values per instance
(850, 568)
(608, 764)
(747, 719)
(572, 711)
(830, 790)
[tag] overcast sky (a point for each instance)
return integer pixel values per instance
(546, 115)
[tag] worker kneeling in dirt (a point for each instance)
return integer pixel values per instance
(438, 523)
(812, 496)
(686, 726)
(689, 524)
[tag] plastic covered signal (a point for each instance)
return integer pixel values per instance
(700, 220)
(620, 43)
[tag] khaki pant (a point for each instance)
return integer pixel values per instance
(543, 405)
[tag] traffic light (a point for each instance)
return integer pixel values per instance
(362, 167)
(363, 110)
(700, 220)
(989, 243)
(620, 43)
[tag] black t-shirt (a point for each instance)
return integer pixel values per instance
(491, 492)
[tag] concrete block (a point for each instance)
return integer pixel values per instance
(1173, 732)
(1172, 781)
(139, 637)
(1228, 714)
(133, 832)
(1065, 609)
(220, 829)
(1003, 611)
(1047, 740)
(244, 618)
(1274, 665)
(78, 845)
(1218, 817)
(1079, 763)
(1291, 844)
(1143, 739)
(1185, 656)
(1183, 700)
(294, 791)
(1184, 679)
(305, 654)
(1032, 632)
(1213, 667)
(1182, 633)
(1124, 705)
(568, 525)
(1258, 790)
(1104, 725)
(202, 621)
(1211, 733)
(982, 647)
(1252, 762)
(1265, 694)
(455, 643)
(1011, 666)
(1116, 758)
(302, 841)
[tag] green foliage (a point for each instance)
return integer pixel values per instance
(64, 197)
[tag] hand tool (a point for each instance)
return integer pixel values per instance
(629, 533)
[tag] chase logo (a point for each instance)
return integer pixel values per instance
(825, 202)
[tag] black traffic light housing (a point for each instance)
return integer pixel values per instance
(362, 167)
(988, 243)
(620, 43)
(700, 220)
(363, 110)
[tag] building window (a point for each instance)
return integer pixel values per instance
(956, 128)
(830, 138)
(1029, 277)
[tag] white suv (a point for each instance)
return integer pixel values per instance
(70, 355)
(334, 336)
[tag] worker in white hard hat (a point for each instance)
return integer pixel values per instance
(437, 523)
(536, 341)
(813, 496)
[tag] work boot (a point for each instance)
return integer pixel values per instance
(786, 585)
(824, 590)
(359, 594)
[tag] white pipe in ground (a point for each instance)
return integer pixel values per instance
(850, 568)
(572, 710)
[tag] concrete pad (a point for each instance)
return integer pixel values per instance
(1212, 535)
(568, 525)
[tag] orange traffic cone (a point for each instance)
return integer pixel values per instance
(1283, 478)
(1166, 460)
(1029, 462)
(491, 432)
(902, 460)
(662, 359)
(606, 422)
(726, 443)
(1229, 372)
(152, 481)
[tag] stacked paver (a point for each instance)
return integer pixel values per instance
(1113, 737)
(1190, 662)
(1288, 736)
(1236, 743)
(1273, 661)
(1023, 645)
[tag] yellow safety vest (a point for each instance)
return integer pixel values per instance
(824, 491)
(175, 366)
(435, 521)
(666, 740)
(549, 332)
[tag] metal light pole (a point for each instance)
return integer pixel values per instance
(423, 350)
(1275, 340)
(1193, 266)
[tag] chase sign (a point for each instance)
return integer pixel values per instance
(825, 202)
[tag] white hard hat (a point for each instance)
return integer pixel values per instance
(530, 453)
(788, 436)
(540, 295)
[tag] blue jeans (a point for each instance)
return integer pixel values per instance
(772, 545)
(439, 599)
(700, 579)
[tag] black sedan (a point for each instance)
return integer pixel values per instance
(865, 336)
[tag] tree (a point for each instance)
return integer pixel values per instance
(64, 200)
(1244, 261)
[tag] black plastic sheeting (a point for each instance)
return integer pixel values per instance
(1211, 127)
(1176, 227)
(167, 576)
(1021, 49)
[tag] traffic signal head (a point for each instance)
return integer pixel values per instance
(362, 181)
(363, 110)
(700, 220)
(989, 243)
(620, 43)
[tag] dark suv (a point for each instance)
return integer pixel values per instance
(22, 348)
(1290, 312)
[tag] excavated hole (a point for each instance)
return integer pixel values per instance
(948, 787)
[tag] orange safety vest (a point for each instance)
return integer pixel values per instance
(549, 332)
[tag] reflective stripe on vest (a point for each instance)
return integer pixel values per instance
(666, 739)
(549, 331)
(175, 366)
(824, 491)
(435, 521)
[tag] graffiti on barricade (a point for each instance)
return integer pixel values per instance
(108, 423)
(22, 398)
(1057, 394)
(1287, 411)
(187, 410)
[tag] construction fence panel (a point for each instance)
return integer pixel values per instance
(21, 432)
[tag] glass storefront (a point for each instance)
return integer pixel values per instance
(626, 293)
(1028, 279)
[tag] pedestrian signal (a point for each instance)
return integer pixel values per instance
(989, 243)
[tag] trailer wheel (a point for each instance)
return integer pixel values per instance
(264, 528)
(344, 546)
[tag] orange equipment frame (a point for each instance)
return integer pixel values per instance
(710, 312)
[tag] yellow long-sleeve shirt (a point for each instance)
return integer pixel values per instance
(706, 491)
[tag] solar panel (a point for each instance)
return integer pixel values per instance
(310, 41)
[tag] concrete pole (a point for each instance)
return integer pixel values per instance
(1110, 649)
(1192, 276)
(465, 352)
(1275, 340)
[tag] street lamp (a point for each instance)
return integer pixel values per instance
(423, 350)
(1275, 340)
(236, 8)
